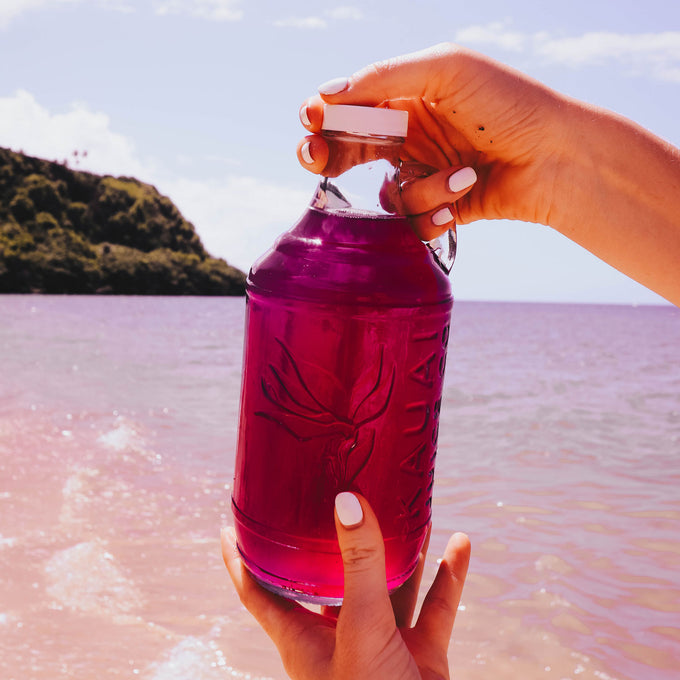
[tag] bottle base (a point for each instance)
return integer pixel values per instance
(292, 593)
(315, 565)
(301, 589)
(310, 569)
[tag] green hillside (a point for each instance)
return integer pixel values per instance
(65, 231)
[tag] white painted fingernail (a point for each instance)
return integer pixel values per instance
(462, 179)
(304, 118)
(306, 153)
(349, 510)
(333, 86)
(442, 217)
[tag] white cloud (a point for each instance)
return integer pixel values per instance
(10, 9)
(653, 54)
(342, 13)
(312, 23)
(495, 33)
(118, 5)
(215, 10)
(26, 125)
(346, 13)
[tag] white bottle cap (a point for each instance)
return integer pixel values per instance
(365, 120)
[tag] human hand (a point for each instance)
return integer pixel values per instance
(371, 637)
(466, 112)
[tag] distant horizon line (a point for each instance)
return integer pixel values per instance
(457, 300)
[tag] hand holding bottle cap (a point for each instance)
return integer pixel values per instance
(427, 195)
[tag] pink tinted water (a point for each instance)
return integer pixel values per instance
(347, 328)
(558, 454)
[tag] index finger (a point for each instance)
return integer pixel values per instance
(417, 74)
(311, 113)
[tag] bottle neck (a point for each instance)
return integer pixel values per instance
(361, 175)
(363, 179)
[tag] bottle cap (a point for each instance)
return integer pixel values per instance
(365, 120)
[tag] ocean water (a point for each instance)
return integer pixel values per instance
(559, 455)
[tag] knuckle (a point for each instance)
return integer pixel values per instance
(379, 68)
(358, 558)
(376, 71)
(442, 605)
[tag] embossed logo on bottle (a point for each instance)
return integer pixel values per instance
(346, 433)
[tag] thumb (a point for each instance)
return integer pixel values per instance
(410, 75)
(366, 607)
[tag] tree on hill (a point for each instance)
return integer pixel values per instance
(67, 231)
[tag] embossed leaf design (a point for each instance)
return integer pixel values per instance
(294, 391)
(374, 403)
(298, 409)
(358, 454)
(302, 414)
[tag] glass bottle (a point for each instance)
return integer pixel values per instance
(347, 324)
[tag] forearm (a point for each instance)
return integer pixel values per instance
(618, 196)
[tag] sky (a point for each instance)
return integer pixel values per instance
(200, 98)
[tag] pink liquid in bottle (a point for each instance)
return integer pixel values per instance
(347, 325)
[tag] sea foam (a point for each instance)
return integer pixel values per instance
(87, 578)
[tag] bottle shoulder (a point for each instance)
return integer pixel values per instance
(336, 257)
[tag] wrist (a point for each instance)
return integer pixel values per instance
(562, 154)
(582, 157)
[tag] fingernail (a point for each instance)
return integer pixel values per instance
(306, 153)
(304, 118)
(462, 179)
(349, 510)
(334, 86)
(442, 217)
